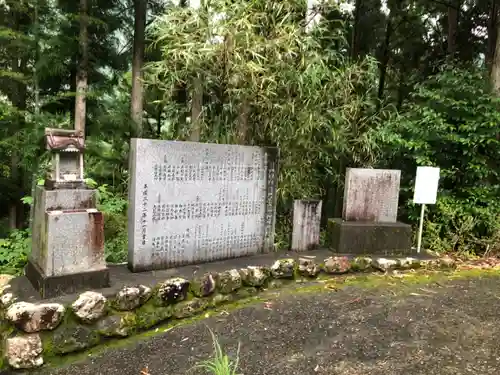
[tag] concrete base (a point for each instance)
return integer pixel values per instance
(54, 286)
(67, 246)
(356, 237)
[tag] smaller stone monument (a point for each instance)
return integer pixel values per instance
(306, 224)
(67, 230)
(369, 222)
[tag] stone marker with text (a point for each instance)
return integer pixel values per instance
(306, 224)
(371, 195)
(369, 221)
(194, 202)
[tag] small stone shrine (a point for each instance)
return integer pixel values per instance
(67, 230)
(369, 222)
(194, 202)
(306, 224)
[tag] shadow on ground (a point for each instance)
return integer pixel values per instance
(442, 328)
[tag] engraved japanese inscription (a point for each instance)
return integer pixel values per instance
(194, 202)
(371, 195)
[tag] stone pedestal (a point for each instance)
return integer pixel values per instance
(368, 224)
(67, 242)
(358, 237)
(306, 224)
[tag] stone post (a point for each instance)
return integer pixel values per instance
(67, 252)
(306, 224)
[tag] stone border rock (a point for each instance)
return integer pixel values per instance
(33, 333)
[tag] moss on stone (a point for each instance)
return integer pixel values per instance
(229, 281)
(55, 361)
(69, 338)
(6, 331)
(245, 292)
(187, 309)
(203, 286)
(307, 268)
(361, 264)
(73, 337)
(275, 283)
(119, 325)
(220, 299)
(284, 269)
(337, 265)
(150, 315)
(172, 291)
(255, 276)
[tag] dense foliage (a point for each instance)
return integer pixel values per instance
(392, 84)
(270, 83)
(452, 122)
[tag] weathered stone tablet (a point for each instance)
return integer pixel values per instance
(194, 202)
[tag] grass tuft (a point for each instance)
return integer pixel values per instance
(220, 364)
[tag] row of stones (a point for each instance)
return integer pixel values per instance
(25, 350)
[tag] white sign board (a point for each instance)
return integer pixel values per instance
(426, 185)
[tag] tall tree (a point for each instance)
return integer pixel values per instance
(82, 71)
(453, 13)
(137, 96)
(196, 109)
(384, 56)
(196, 93)
(356, 30)
(15, 59)
(492, 34)
(495, 66)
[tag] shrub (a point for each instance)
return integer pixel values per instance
(452, 123)
(114, 207)
(14, 251)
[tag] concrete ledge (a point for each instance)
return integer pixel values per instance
(35, 332)
(53, 286)
(357, 237)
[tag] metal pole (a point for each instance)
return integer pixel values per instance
(420, 228)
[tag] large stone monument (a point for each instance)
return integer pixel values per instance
(67, 230)
(194, 202)
(369, 222)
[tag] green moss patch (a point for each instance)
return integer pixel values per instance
(150, 315)
(69, 339)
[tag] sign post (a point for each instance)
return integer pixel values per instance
(426, 187)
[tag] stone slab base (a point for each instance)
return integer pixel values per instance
(355, 237)
(65, 199)
(53, 286)
(53, 185)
